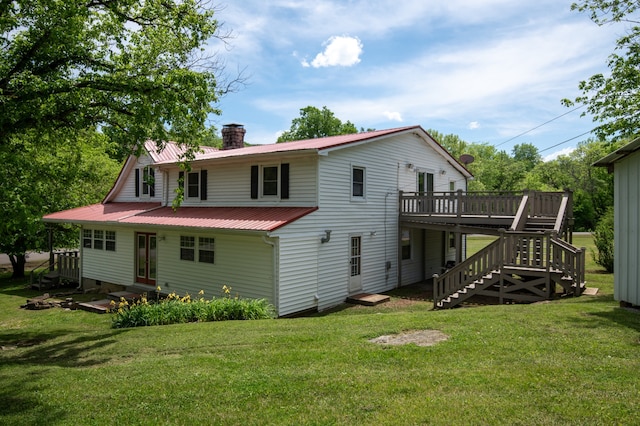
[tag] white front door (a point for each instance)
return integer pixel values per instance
(355, 264)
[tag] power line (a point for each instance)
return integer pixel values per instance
(537, 127)
(568, 140)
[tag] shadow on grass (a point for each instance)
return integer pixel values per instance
(19, 400)
(56, 348)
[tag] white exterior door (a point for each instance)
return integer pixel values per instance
(355, 264)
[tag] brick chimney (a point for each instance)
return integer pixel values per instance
(233, 136)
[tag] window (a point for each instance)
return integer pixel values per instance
(452, 185)
(205, 250)
(187, 248)
(149, 181)
(193, 185)
(452, 240)
(86, 238)
(406, 244)
(110, 240)
(98, 239)
(270, 180)
(196, 184)
(357, 180)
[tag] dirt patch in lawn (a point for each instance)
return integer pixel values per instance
(417, 337)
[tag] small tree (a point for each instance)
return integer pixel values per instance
(603, 239)
(314, 123)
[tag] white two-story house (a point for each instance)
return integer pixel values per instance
(302, 224)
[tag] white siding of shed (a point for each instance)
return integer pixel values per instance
(627, 229)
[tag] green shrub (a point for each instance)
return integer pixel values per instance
(603, 240)
(175, 309)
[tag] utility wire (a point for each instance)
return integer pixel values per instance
(537, 127)
(568, 140)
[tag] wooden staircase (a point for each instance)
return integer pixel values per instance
(517, 267)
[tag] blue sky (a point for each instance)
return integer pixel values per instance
(486, 70)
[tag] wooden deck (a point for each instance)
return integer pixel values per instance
(527, 261)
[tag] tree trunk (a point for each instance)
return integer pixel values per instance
(17, 262)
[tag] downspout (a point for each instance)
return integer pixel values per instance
(274, 272)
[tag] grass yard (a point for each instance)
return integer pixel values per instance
(571, 361)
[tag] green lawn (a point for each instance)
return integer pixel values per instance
(571, 361)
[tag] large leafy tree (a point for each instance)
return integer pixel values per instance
(135, 68)
(44, 174)
(614, 100)
(315, 123)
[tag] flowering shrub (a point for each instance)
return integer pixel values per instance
(175, 309)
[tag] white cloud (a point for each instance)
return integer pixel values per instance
(342, 51)
(474, 125)
(557, 154)
(393, 116)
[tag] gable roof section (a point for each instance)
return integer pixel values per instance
(235, 218)
(325, 145)
(171, 151)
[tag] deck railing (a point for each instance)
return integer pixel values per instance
(542, 252)
(483, 203)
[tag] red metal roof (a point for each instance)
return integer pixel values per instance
(238, 218)
(309, 144)
(172, 151)
(110, 212)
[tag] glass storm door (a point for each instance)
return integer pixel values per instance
(146, 258)
(355, 264)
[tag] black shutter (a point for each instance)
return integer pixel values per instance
(284, 181)
(152, 182)
(137, 182)
(203, 184)
(181, 180)
(254, 182)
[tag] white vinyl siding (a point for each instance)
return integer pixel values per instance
(298, 266)
(244, 263)
(229, 184)
(128, 191)
(115, 267)
(627, 229)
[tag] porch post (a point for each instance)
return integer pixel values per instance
(51, 255)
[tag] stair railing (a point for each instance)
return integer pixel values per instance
(545, 252)
(473, 268)
(570, 261)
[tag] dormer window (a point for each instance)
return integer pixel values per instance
(145, 182)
